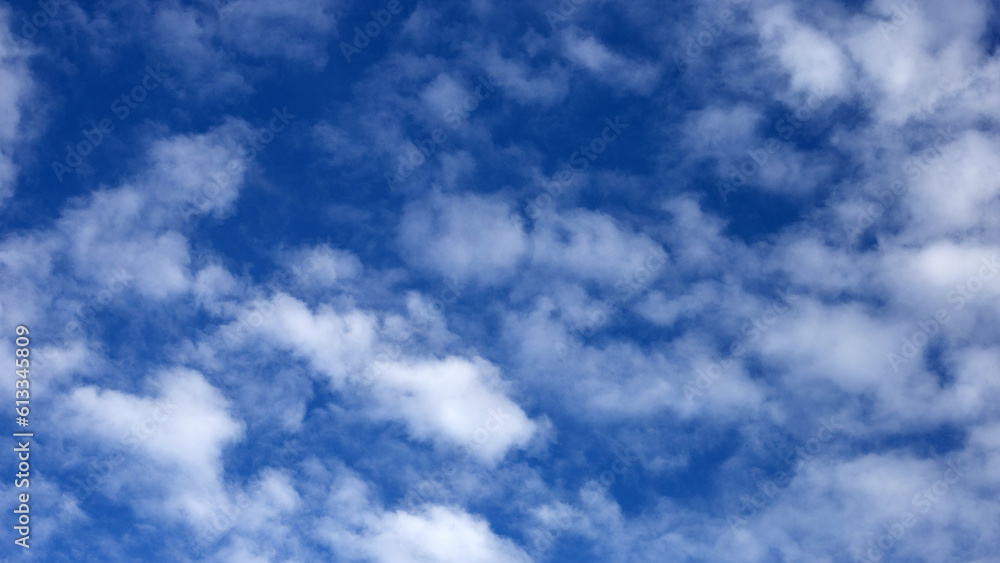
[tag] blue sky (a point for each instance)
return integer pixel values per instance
(504, 282)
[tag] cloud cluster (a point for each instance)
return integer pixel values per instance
(508, 282)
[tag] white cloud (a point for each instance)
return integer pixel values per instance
(185, 36)
(295, 30)
(322, 265)
(917, 60)
(443, 94)
(844, 344)
(439, 534)
(723, 131)
(131, 227)
(618, 71)
(815, 62)
(593, 246)
(959, 189)
(181, 432)
(454, 400)
(521, 81)
(464, 237)
(359, 529)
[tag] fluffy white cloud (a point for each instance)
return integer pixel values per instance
(322, 266)
(359, 529)
(455, 400)
(915, 60)
(180, 432)
(593, 246)
(463, 237)
(439, 534)
(815, 62)
(957, 190)
(135, 227)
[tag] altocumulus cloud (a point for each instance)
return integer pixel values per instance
(633, 261)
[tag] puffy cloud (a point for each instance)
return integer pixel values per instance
(917, 57)
(135, 227)
(814, 61)
(970, 167)
(592, 246)
(181, 432)
(455, 400)
(430, 533)
(395, 330)
(322, 265)
(463, 237)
